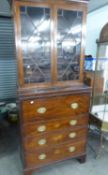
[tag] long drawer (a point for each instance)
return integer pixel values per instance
(46, 140)
(59, 106)
(37, 128)
(43, 157)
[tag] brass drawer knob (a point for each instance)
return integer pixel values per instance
(73, 122)
(41, 128)
(72, 135)
(31, 102)
(41, 110)
(74, 105)
(42, 142)
(71, 149)
(42, 156)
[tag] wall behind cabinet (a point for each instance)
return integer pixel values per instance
(95, 22)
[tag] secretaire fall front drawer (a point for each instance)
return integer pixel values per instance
(56, 106)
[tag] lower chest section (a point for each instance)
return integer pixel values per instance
(54, 128)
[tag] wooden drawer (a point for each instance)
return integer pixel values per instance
(46, 156)
(37, 128)
(56, 106)
(46, 140)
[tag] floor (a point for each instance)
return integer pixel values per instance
(10, 163)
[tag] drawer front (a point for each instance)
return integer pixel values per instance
(59, 106)
(46, 140)
(37, 128)
(46, 156)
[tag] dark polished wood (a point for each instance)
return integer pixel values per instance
(78, 6)
(54, 154)
(53, 111)
(55, 107)
(54, 125)
(57, 129)
(32, 143)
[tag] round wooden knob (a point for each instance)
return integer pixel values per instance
(57, 151)
(42, 156)
(71, 149)
(58, 137)
(42, 142)
(41, 128)
(41, 110)
(73, 122)
(72, 135)
(57, 125)
(74, 105)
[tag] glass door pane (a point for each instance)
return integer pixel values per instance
(69, 29)
(100, 90)
(35, 40)
(101, 72)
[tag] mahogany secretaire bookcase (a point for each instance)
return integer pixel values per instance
(53, 101)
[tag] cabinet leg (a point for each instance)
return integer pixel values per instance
(27, 172)
(82, 159)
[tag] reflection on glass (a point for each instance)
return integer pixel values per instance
(102, 68)
(68, 44)
(35, 39)
(100, 91)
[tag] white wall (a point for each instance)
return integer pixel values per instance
(95, 21)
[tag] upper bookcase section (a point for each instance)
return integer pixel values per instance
(50, 39)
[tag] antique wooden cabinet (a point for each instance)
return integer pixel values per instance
(53, 101)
